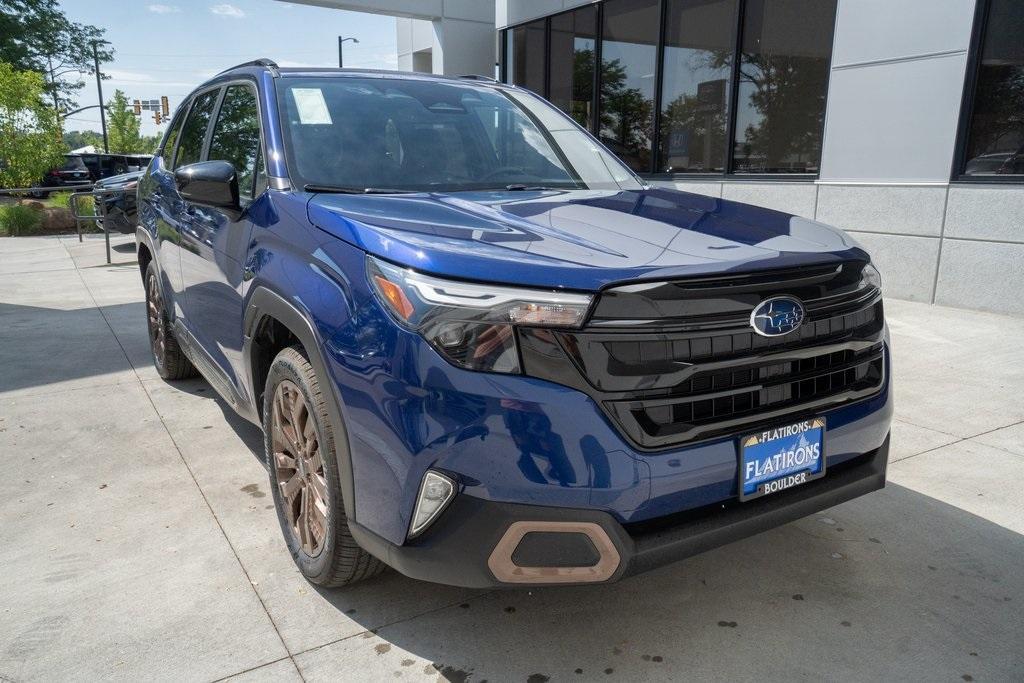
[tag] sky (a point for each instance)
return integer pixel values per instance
(170, 47)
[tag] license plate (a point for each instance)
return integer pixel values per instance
(780, 458)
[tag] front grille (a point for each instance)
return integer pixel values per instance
(679, 378)
(719, 402)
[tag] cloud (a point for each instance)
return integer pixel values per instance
(227, 10)
(164, 9)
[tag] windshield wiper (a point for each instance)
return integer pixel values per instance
(520, 187)
(340, 189)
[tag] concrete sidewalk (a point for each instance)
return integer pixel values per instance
(138, 539)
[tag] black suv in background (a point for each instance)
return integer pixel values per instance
(82, 169)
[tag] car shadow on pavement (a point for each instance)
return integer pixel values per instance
(41, 346)
(894, 583)
(247, 432)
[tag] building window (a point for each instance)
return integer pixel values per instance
(529, 48)
(629, 55)
(700, 37)
(573, 56)
(690, 86)
(995, 128)
(784, 67)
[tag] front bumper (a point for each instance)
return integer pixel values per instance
(468, 545)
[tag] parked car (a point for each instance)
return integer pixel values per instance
(996, 163)
(121, 215)
(72, 174)
(481, 350)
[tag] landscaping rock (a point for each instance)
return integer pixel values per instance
(54, 218)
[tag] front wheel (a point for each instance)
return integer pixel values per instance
(300, 450)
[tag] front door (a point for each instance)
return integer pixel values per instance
(184, 145)
(214, 241)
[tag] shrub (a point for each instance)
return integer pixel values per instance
(16, 220)
(61, 200)
(87, 207)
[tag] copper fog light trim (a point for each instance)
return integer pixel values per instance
(504, 569)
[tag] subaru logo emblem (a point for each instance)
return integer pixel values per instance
(777, 316)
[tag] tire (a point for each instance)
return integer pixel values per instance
(170, 361)
(304, 475)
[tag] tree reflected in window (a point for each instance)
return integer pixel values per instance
(697, 73)
(628, 63)
(236, 137)
(784, 67)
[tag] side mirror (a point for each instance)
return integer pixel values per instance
(209, 183)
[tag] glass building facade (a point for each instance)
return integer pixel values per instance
(993, 135)
(710, 87)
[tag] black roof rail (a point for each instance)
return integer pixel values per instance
(263, 61)
(477, 77)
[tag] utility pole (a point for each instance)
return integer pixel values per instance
(53, 84)
(99, 90)
(341, 54)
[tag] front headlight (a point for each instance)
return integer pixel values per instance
(870, 277)
(472, 325)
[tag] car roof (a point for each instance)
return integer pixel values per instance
(264, 65)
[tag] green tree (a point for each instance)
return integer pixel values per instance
(75, 139)
(149, 143)
(35, 35)
(122, 126)
(30, 140)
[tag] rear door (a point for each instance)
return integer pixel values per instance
(215, 242)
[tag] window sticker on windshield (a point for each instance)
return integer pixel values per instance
(311, 105)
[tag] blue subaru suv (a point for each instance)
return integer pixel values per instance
(485, 353)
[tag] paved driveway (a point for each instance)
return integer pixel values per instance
(138, 541)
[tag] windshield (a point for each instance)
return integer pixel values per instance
(381, 134)
(73, 164)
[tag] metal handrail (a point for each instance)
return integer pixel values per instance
(50, 189)
(97, 194)
(94, 192)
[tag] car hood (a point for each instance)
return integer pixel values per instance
(121, 179)
(577, 239)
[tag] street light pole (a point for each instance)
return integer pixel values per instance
(99, 90)
(341, 55)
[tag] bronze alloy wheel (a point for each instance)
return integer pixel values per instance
(169, 358)
(299, 468)
(155, 308)
(304, 443)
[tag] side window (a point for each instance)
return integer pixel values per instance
(167, 150)
(172, 137)
(236, 135)
(190, 147)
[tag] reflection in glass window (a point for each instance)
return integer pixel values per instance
(628, 64)
(995, 142)
(784, 66)
(236, 137)
(697, 68)
(528, 56)
(194, 133)
(573, 41)
(172, 139)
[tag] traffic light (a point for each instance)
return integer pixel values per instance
(156, 117)
(164, 106)
(138, 108)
